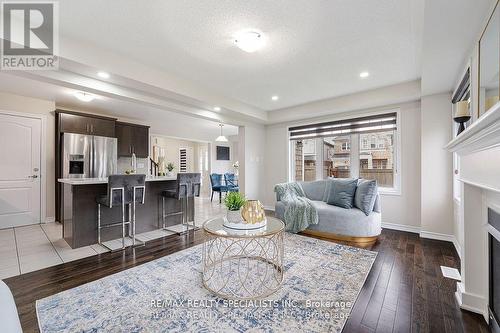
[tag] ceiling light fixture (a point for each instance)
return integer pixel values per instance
(249, 41)
(364, 75)
(221, 138)
(84, 97)
(103, 75)
(216, 108)
(275, 98)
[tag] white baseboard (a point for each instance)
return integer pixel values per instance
(401, 227)
(50, 219)
(269, 208)
(436, 236)
(471, 302)
(458, 248)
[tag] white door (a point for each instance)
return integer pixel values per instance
(19, 170)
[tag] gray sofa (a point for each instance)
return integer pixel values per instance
(336, 222)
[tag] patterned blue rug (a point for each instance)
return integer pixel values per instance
(322, 282)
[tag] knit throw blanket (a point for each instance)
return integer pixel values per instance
(299, 211)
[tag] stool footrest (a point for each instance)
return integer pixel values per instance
(114, 224)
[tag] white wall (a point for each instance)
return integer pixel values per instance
(401, 209)
(10, 102)
(437, 165)
(172, 146)
(252, 145)
(225, 166)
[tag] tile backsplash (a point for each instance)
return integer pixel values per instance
(125, 163)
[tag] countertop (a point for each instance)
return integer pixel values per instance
(88, 181)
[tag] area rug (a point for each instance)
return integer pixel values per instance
(321, 284)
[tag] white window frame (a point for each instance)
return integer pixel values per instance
(396, 190)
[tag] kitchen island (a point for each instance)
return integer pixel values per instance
(79, 209)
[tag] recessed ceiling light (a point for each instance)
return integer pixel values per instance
(275, 98)
(249, 41)
(103, 75)
(216, 108)
(364, 75)
(84, 97)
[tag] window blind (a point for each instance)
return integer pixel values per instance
(182, 160)
(376, 123)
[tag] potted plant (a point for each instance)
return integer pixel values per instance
(170, 168)
(234, 201)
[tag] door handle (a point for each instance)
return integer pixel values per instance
(34, 176)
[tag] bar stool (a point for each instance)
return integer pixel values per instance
(187, 186)
(123, 190)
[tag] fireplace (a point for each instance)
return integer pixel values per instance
(494, 268)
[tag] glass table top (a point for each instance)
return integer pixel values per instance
(216, 227)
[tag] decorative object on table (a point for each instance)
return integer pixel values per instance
(236, 167)
(462, 115)
(170, 169)
(116, 303)
(129, 172)
(253, 212)
(223, 153)
(234, 201)
(221, 137)
(161, 165)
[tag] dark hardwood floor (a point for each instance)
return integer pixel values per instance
(404, 292)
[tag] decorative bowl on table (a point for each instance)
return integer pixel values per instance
(251, 216)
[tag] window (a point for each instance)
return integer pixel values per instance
(352, 148)
(182, 160)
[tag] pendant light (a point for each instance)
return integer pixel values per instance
(221, 138)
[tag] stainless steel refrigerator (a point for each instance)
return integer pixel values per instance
(88, 156)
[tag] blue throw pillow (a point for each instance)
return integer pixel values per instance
(366, 194)
(341, 192)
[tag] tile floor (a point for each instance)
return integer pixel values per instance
(30, 248)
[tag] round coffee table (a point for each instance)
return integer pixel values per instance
(243, 264)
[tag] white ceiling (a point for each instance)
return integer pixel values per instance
(316, 48)
(161, 121)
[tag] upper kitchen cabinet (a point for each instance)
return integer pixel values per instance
(71, 122)
(132, 138)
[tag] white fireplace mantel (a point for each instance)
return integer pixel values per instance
(483, 134)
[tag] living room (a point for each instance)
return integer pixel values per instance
(203, 168)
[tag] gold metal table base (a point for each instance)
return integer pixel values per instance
(243, 267)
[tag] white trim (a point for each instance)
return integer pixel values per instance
(483, 134)
(401, 227)
(50, 219)
(471, 302)
(483, 186)
(43, 156)
(436, 236)
(458, 248)
(271, 208)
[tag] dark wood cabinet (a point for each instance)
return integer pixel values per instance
(86, 124)
(132, 138)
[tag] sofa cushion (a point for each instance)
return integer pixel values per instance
(315, 190)
(341, 192)
(347, 222)
(365, 195)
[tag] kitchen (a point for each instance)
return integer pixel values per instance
(91, 148)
